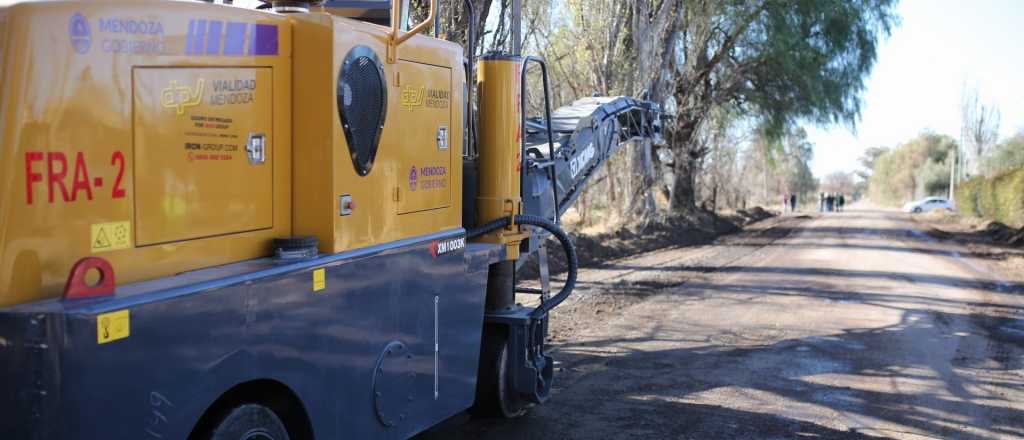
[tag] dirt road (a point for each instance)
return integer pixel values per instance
(844, 326)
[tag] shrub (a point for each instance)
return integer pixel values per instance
(998, 198)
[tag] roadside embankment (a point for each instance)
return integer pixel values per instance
(994, 242)
(694, 228)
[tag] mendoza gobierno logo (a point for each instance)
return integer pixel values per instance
(79, 33)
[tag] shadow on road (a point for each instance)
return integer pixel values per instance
(643, 394)
(937, 280)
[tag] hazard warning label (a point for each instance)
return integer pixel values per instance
(110, 236)
(319, 280)
(113, 326)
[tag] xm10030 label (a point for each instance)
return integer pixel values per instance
(65, 177)
(441, 247)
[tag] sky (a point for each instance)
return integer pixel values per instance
(920, 74)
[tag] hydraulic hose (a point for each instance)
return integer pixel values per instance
(563, 239)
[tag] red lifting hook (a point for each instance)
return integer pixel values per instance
(77, 288)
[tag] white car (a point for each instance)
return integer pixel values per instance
(927, 204)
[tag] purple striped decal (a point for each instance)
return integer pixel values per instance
(190, 41)
(264, 40)
(199, 37)
(213, 36)
(234, 42)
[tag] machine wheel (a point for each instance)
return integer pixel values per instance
(917, 210)
(494, 397)
(250, 422)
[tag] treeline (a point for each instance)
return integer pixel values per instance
(747, 167)
(924, 166)
(918, 168)
(739, 78)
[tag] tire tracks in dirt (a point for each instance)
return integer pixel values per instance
(620, 284)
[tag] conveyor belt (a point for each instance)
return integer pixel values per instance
(587, 133)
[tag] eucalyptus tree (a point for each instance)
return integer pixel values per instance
(782, 62)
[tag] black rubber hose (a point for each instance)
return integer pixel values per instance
(563, 239)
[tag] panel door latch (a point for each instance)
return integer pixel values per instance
(256, 148)
(442, 138)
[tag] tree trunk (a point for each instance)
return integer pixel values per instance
(764, 179)
(714, 196)
(641, 199)
(687, 151)
(684, 189)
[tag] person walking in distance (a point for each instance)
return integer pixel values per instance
(821, 202)
(792, 202)
(842, 202)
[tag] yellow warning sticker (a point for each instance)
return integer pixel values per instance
(319, 280)
(113, 326)
(110, 236)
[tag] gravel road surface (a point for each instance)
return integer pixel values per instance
(851, 325)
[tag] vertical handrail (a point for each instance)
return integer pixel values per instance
(471, 46)
(547, 119)
(437, 25)
(396, 37)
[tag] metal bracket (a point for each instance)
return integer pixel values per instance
(545, 273)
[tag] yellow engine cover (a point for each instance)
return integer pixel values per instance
(123, 129)
(168, 136)
(415, 184)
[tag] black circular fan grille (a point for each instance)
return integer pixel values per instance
(362, 105)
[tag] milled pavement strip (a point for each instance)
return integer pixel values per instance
(669, 257)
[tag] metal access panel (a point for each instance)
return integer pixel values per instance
(203, 147)
(422, 145)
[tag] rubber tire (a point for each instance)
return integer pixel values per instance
(493, 398)
(917, 210)
(250, 422)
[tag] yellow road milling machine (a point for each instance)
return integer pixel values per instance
(299, 221)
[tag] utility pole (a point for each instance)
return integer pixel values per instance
(517, 27)
(952, 173)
